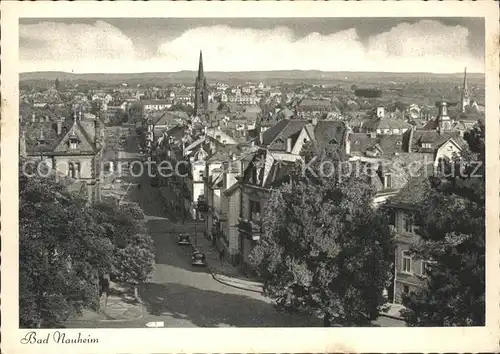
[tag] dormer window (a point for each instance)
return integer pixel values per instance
(426, 145)
(73, 142)
(41, 138)
(399, 143)
(356, 142)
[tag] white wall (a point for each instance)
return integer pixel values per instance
(446, 150)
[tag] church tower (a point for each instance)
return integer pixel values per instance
(465, 99)
(443, 120)
(201, 91)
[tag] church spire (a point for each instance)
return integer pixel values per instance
(465, 92)
(201, 90)
(201, 74)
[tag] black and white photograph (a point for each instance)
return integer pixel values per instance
(251, 172)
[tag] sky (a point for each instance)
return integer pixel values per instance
(135, 45)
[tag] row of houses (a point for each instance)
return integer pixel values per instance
(228, 178)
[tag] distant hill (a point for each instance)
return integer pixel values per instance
(254, 76)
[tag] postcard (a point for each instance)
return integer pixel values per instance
(250, 177)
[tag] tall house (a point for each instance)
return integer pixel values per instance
(465, 92)
(201, 90)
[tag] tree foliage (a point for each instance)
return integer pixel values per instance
(324, 249)
(125, 226)
(65, 244)
(452, 229)
(61, 252)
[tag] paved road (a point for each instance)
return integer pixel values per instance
(183, 296)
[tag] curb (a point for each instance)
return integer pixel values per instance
(390, 316)
(215, 277)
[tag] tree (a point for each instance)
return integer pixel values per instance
(452, 218)
(61, 252)
(135, 112)
(134, 256)
(324, 249)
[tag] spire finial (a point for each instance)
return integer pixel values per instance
(200, 66)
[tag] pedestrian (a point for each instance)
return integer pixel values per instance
(221, 256)
(104, 287)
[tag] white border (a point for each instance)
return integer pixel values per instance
(258, 340)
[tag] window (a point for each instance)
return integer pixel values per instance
(77, 170)
(72, 144)
(388, 181)
(254, 209)
(71, 170)
(217, 137)
(408, 220)
(423, 268)
(406, 262)
(406, 289)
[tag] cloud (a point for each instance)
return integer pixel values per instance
(424, 46)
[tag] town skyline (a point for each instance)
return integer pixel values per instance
(172, 45)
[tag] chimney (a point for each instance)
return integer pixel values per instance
(314, 121)
(261, 138)
(205, 130)
(33, 118)
(373, 135)
(289, 145)
(59, 127)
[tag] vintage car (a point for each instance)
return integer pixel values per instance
(198, 259)
(183, 239)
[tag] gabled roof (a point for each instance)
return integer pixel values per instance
(435, 138)
(283, 130)
(266, 171)
(86, 143)
(42, 136)
(328, 132)
(177, 133)
(388, 144)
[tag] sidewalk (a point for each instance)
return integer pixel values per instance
(121, 307)
(392, 311)
(232, 276)
(224, 273)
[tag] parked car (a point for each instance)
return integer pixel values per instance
(198, 259)
(183, 239)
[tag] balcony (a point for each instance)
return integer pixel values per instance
(251, 229)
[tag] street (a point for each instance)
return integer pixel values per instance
(180, 295)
